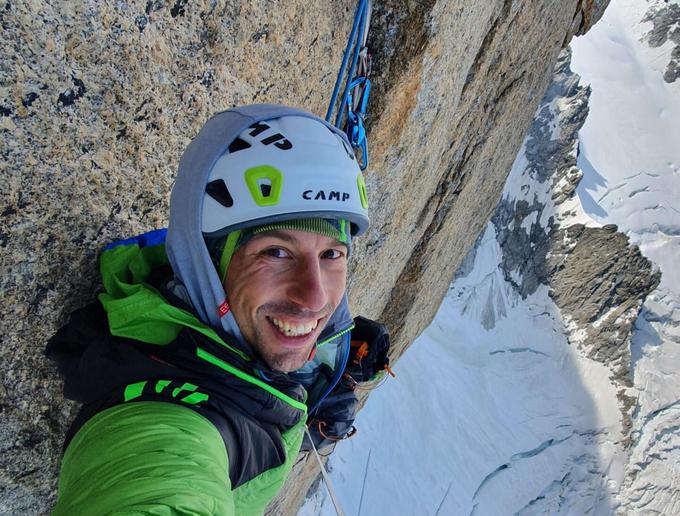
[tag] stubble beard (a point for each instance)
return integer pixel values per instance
(284, 360)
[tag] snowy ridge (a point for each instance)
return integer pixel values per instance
(629, 59)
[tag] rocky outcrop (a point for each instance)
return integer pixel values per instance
(524, 224)
(98, 100)
(596, 277)
(665, 18)
(599, 281)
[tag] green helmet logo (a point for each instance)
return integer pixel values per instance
(264, 183)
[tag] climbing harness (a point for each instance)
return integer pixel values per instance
(351, 115)
(365, 367)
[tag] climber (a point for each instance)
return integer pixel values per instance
(212, 343)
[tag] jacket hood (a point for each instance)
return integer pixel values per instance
(135, 298)
(196, 278)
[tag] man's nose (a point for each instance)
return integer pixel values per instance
(306, 287)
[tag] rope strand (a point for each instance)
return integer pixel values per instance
(354, 99)
(326, 478)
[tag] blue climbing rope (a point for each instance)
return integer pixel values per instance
(351, 115)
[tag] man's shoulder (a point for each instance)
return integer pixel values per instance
(103, 371)
(131, 455)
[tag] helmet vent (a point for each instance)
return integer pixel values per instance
(238, 144)
(265, 187)
(218, 190)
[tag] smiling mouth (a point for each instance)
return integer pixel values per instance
(294, 329)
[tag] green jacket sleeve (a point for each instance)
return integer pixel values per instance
(149, 458)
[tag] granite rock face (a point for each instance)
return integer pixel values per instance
(99, 99)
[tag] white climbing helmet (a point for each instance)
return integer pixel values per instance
(284, 168)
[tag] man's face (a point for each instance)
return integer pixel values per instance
(282, 287)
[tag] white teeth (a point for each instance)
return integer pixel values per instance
(294, 330)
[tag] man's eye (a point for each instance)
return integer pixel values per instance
(276, 252)
(332, 254)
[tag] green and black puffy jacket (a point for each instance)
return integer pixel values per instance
(175, 418)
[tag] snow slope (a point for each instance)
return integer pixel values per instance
(482, 422)
(630, 155)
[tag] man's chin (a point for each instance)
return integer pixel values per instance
(287, 363)
(283, 353)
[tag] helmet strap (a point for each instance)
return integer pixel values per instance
(227, 253)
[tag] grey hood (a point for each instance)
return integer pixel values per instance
(196, 279)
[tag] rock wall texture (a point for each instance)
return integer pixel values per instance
(99, 99)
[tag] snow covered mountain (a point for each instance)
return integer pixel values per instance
(631, 161)
(538, 389)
